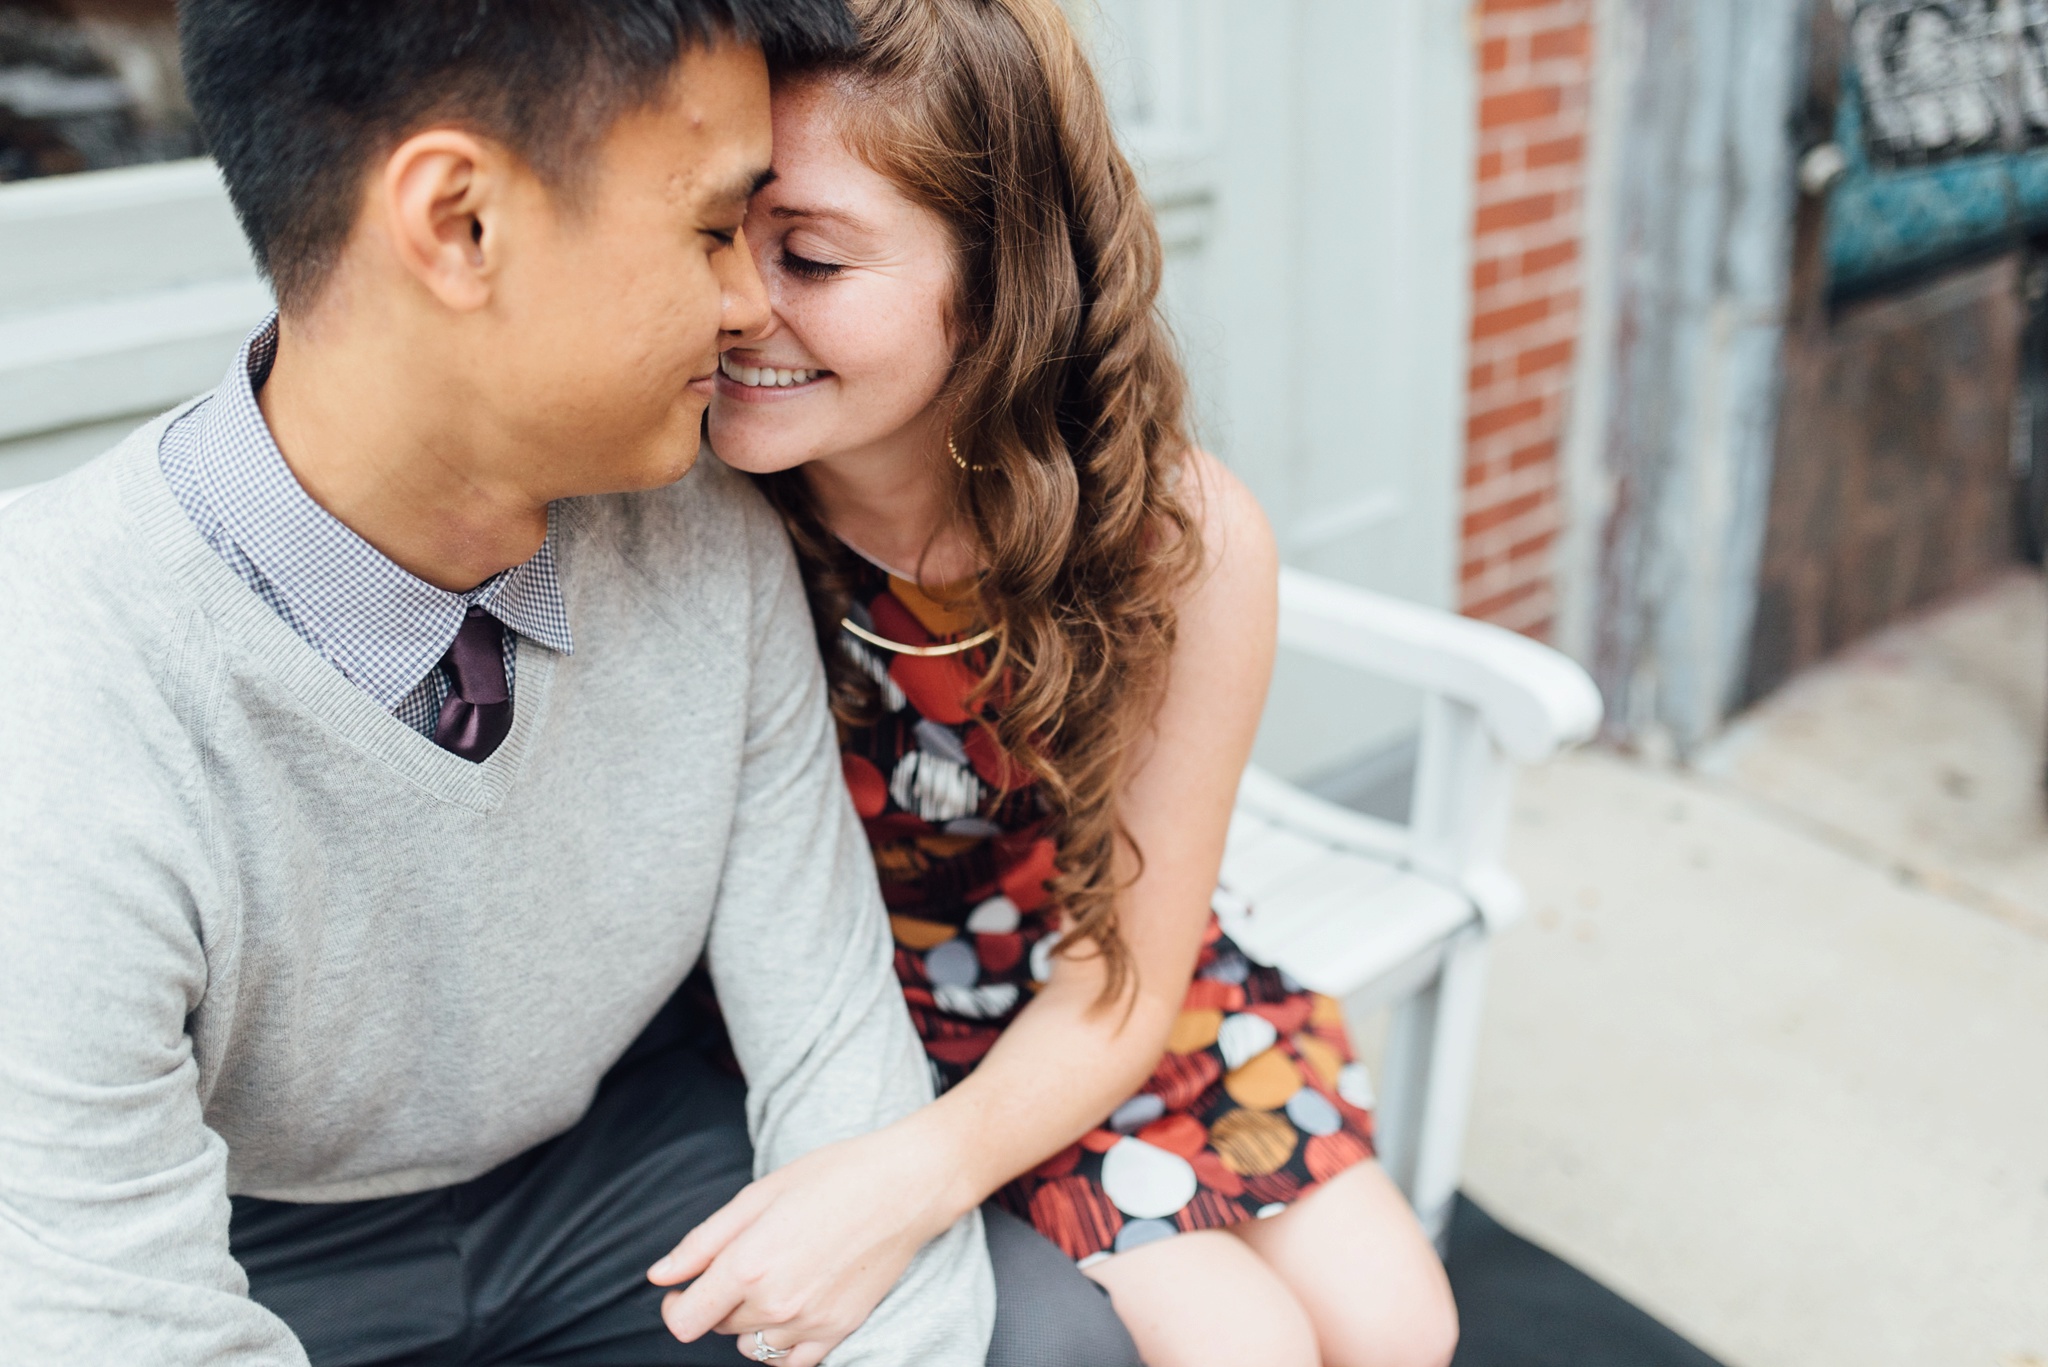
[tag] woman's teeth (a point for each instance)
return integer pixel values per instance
(764, 377)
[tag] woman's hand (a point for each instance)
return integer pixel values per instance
(807, 1252)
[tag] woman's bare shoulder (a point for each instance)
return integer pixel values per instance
(1238, 548)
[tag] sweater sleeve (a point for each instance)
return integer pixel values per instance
(113, 1190)
(802, 958)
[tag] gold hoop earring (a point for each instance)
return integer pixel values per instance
(959, 459)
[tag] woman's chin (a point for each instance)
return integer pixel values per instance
(746, 451)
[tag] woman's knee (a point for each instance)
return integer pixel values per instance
(1434, 1339)
(1358, 1262)
(1420, 1333)
(1206, 1300)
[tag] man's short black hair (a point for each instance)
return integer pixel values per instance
(298, 97)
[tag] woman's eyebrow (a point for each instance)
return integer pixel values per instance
(787, 211)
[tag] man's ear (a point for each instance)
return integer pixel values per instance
(444, 194)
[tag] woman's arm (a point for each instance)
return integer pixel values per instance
(831, 1226)
(1068, 1060)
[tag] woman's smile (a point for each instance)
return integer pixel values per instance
(758, 383)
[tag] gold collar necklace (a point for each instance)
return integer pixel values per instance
(917, 652)
(920, 652)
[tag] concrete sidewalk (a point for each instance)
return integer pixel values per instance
(1771, 1057)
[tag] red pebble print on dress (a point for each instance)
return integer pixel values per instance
(1025, 883)
(1288, 1016)
(1273, 1188)
(1060, 1164)
(1181, 1079)
(1330, 1154)
(1070, 1212)
(999, 953)
(1206, 994)
(870, 790)
(1181, 1134)
(995, 768)
(1208, 1210)
(937, 686)
(965, 1051)
(1210, 1171)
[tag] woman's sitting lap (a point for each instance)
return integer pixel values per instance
(1343, 1278)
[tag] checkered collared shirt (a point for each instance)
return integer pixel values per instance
(384, 629)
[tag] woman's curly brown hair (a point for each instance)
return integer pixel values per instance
(1066, 391)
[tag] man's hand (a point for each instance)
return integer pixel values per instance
(805, 1254)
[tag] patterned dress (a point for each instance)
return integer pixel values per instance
(1257, 1099)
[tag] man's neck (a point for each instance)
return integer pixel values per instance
(393, 452)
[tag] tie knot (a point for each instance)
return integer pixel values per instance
(476, 662)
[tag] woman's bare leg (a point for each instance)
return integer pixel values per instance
(1355, 1260)
(1207, 1300)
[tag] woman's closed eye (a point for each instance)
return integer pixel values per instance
(807, 268)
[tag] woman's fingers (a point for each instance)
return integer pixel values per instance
(801, 1354)
(694, 1254)
(702, 1306)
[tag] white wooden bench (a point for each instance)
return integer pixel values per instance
(1380, 914)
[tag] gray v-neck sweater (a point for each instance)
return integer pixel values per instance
(257, 936)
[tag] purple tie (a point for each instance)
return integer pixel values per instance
(478, 714)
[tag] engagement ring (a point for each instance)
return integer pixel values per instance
(764, 1353)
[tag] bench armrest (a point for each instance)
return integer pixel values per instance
(1534, 701)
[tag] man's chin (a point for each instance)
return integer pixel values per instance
(656, 466)
(671, 463)
(674, 453)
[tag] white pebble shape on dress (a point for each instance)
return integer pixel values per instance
(996, 916)
(1312, 1113)
(1354, 1084)
(1041, 958)
(1138, 1233)
(938, 790)
(990, 1001)
(952, 964)
(1145, 1181)
(942, 741)
(1243, 1038)
(1135, 1114)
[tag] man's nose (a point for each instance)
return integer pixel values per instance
(744, 313)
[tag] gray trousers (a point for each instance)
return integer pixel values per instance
(543, 1261)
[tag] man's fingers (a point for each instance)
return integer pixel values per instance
(707, 1240)
(696, 1310)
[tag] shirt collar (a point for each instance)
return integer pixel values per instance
(384, 628)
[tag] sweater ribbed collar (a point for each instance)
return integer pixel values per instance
(381, 626)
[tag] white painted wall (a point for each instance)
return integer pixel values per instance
(1311, 161)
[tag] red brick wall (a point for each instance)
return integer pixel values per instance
(1535, 74)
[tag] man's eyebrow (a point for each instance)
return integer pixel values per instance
(740, 191)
